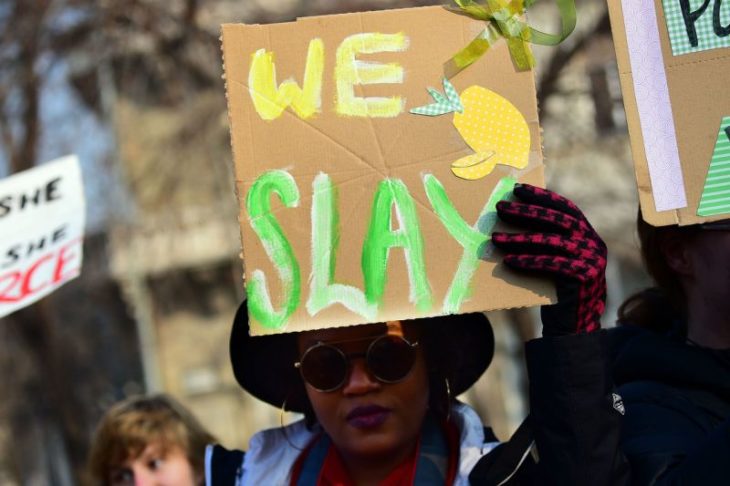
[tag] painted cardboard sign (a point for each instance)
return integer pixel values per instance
(674, 59)
(42, 217)
(367, 182)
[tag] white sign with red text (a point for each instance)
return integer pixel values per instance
(42, 217)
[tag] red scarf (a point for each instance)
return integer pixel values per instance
(334, 472)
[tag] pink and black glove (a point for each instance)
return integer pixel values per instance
(561, 243)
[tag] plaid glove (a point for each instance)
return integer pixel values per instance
(560, 243)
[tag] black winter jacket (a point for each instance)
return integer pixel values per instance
(574, 420)
(677, 399)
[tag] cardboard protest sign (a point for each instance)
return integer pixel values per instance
(42, 215)
(674, 60)
(367, 181)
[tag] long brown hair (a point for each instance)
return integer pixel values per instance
(660, 307)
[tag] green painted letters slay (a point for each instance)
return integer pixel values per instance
(391, 199)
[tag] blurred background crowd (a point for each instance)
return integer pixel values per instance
(134, 87)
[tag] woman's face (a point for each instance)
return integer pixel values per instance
(366, 417)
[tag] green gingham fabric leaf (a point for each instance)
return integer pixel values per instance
(453, 96)
(448, 103)
(434, 109)
(436, 95)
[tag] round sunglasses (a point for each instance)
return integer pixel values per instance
(325, 367)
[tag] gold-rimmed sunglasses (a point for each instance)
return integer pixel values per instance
(389, 358)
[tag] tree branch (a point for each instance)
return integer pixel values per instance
(549, 80)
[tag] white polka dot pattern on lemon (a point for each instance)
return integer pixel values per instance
(490, 124)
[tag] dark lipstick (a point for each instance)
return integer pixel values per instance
(367, 416)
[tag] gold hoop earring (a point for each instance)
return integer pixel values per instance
(282, 427)
(282, 411)
(448, 399)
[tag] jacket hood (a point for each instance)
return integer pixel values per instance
(641, 355)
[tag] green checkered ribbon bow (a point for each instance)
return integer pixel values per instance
(503, 21)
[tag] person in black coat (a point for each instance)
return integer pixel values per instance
(672, 358)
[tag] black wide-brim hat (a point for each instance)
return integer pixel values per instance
(264, 365)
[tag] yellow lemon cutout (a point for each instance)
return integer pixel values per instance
(474, 166)
(490, 124)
